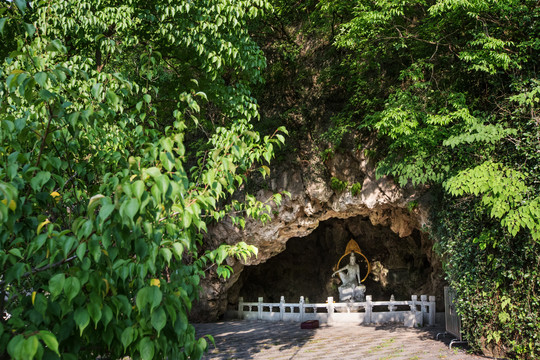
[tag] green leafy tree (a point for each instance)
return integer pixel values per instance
(125, 128)
(451, 87)
(443, 127)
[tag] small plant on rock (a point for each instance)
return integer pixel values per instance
(356, 188)
(338, 185)
(411, 205)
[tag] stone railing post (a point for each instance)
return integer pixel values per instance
(369, 308)
(259, 309)
(301, 306)
(240, 313)
(431, 310)
(330, 308)
(414, 299)
(281, 307)
(423, 298)
(392, 307)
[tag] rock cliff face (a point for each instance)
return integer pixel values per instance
(315, 224)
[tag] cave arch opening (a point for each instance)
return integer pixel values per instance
(399, 266)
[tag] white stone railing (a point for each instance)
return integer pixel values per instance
(367, 312)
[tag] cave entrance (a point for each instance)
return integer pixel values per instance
(399, 266)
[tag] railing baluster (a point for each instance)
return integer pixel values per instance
(259, 309)
(431, 310)
(330, 308)
(241, 307)
(369, 308)
(414, 300)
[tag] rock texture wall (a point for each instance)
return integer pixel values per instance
(381, 203)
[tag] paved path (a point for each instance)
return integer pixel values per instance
(285, 340)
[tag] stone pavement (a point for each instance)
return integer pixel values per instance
(285, 340)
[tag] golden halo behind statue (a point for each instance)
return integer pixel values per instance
(352, 246)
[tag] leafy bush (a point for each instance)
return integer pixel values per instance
(411, 205)
(101, 224)
(451, 88)
(356, 188)
(497, 278)
(338, 185)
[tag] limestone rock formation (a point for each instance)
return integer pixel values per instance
(312, 202)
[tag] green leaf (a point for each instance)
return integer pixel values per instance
(153, 172)
(146, 348)
(72, 286)
(94, 310)
(138, 188)
(112, 98)
(46, 94)
(163, 184)
(15, 345)
(167, 144)
(143, 298)
(29, 28)
(199, 348)
(73, 117)
(186, 219)
(107, 315)
(127, 337)
(82, 319)
(50, 340)
(2, 24)
(41, 78)
(221, 254)
(56, 285)
(81, 250)
(167, 161)
(56, 46)
(39, 180)
(181, 323)
(94, 201)
(178, 249)
(159, 319)
(106, 209)
(15, 272)
(16, 252)
(30, 347)
(130, 208)
(149, 295)
(21, 4)
(167, 254)
(96, 91)
(68, 245)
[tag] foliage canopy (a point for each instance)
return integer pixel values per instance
(451, 87)
(124, 130)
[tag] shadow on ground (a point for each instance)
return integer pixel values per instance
(263, 340)
(241, 340)
(423, 333)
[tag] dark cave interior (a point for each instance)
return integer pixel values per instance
(399, 266)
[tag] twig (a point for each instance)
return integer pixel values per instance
(43, 268)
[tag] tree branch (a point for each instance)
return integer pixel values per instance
(46, 267)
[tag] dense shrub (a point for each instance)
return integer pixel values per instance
(496, 276)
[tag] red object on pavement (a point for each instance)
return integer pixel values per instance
(310, 324)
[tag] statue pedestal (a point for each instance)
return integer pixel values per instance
(349, 293)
